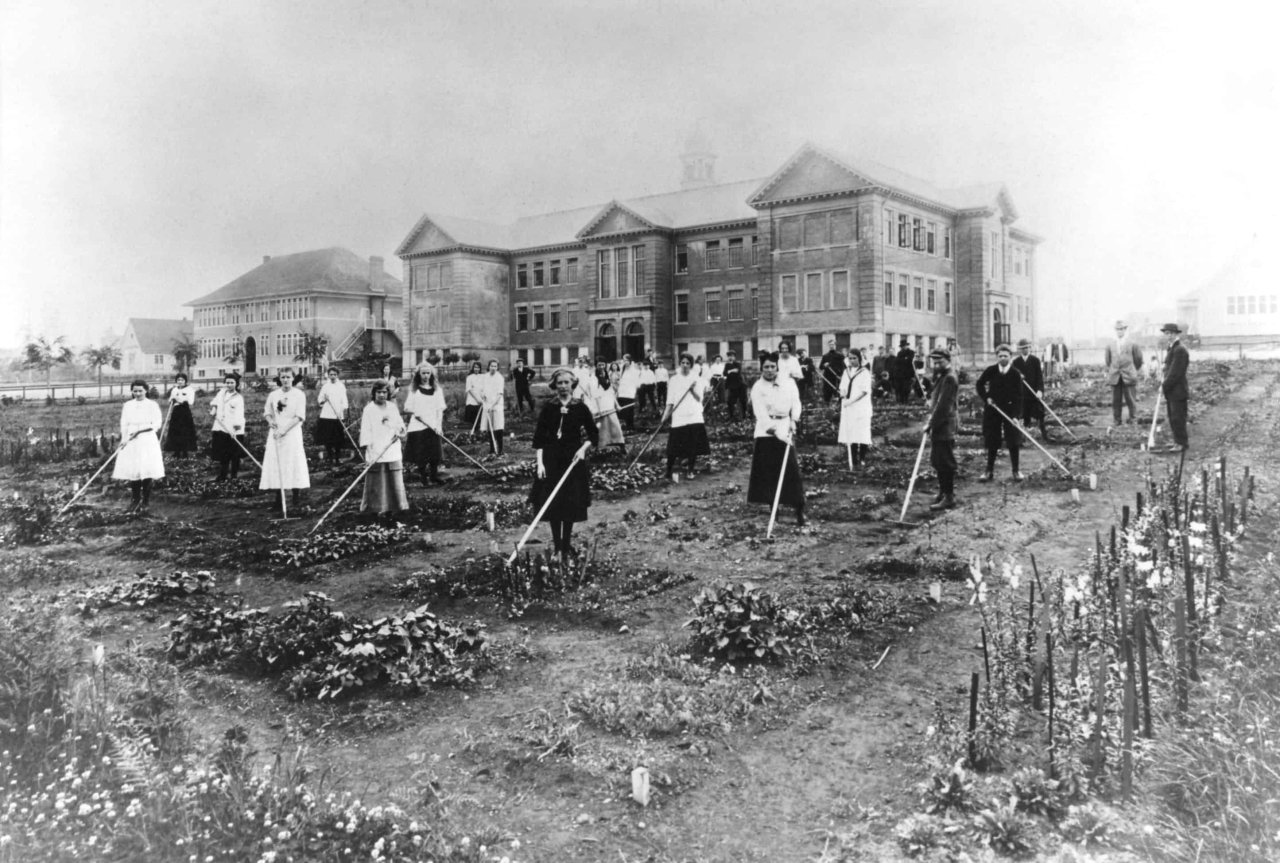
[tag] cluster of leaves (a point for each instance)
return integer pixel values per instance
(663, 693)
(741, 623)
(30, 521)
(326, 654)
(618, 480)
(337, 544)
(145, 590)
(528, 579)
(207, 487)
(466, 513)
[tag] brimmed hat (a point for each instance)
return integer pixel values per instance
(1121, 325)
(1172, 329)
(940, 354)
(903, 343)
(1004, 347)
(1024, 343)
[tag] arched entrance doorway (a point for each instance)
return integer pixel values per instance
(633, 340)
(999, 329)
(250, 356)
(607, 343)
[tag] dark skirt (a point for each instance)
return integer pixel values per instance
(571, 502)
(181, 436)
(224, 447)
(330, 433)
(689, 441)
(469, 414)
(766, 461)
(384, 488)
(422, 447)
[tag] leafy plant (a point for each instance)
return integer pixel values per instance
(1087, 824)
(742, 623)
(1007, 831)
(337, 544)
(1037, 794)
(949, 791)
(917, 834)
(146, 590)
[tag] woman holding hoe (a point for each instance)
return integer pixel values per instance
(565, 433)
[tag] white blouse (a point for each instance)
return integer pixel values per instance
(380, 428)
(228, 412)
(333, 400)
(183, 395)
(686, 411)
(425, 410)
(776, 404)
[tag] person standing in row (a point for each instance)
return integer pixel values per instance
(1174, 386)
(564, 434)
(522, 376)
(735, 386)
(831, 371)
(647, 394)
(227, 409)
(855, 408)
(381, 433)
(139, 461)
(808, 373)
(606, 411)
(1124, 361)
(181, 436)
(628, 388)
(775, 402)
(661, 376)
(1001, 386)
(1028, 365)
(788, 365)
(493, 399)
(425, 408)
(716, 380)
(904, 372)
(942, 427)
(688, 436)
(284, 463)
(331, 430)
(393, 385)
(471, 402)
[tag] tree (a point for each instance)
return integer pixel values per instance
(313, 347)
(186, 351)
(97, 358)
(42, 354)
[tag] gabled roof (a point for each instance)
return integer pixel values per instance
(157, 335)
(331, 271)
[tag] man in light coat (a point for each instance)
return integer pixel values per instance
(1124, 361)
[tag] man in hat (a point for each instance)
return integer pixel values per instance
(523, 377)
(944, 422)
(831, 370)
(1124, 361)
(1028, 365)
(1174, 385)
(1000, 386)
(904, 372)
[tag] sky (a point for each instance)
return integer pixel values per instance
(151, 152)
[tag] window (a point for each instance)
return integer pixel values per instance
(1273, 304)
(946, 244)
(1231, 305)
(539, 317)
(888, 228)
(734, 299)
(682, 308)
(570, 316)
(553, 273)
(1027, 307)
(789, 233)
(604, 272)
(571, 354)
(554, 315)
(735, 253)
(682, 258)
(735, 348)
(713, 305)
(553, 356)
(813, 292)
(904, 235)
(637, 260)
(840, 289)
(755, 251)
(539, 355)
(995, 246)
(946, 298)
(622, 263)
(571, 271)
(158, 359)
(522, 319)
(903, 285)
(930, 237)
(931, 295)
(523, 356)
(538, 275)
(815, 230)
(917, 234)
(790, 298)
(842, 227)
(713, 255)
(1253, 304)
(917, 288)
(755, 304)
(888, 288)
(522, 277)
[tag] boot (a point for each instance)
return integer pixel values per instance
(946, 501)
(146, 496)
(937, 498)
(800, 516)
(135, 489)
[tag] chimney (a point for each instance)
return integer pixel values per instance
(376, 272)
(266, 258)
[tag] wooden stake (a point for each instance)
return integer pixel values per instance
(973, 719)
(1180, 653)
(1140, 626)
(1048, 652)
(986, 658)
(1189, 583)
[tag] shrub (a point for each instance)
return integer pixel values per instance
(1036, 794)
(1007, 831)
(741, 623)
(918, 834)
(31, 520)
(145, 590)
(949, 791)
(337, 544)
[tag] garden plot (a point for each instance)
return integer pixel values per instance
(795, 700)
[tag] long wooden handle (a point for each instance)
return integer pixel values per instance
(343, 497)
(777, 495)
(915, 472)
(1027, 435)
(577, 457)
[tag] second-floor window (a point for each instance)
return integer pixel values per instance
(522, 319)
(538, 275)
(735, 253)
(553, 273)
(734, 301)
(713, 260)
(522, 276)
(571, 271)
(682, 308)
(713, 306)
(682, 258)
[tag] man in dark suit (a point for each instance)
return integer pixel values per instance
(944, 422)
(831, 370)
(1001, 386)
(904, 372)
(1174, 386)
(1028, 365)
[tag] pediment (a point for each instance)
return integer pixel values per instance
(426, 236)
(615, 218)
(809, 174)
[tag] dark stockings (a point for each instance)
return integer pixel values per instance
(562, 536)
(495, 442)
(141, 491)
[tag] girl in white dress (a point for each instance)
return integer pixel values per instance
(471, 404)
(381, 433)
(284, 464)
(493, 398)
(227, 408)
(855, 408)
(139, 460)
(424, 407)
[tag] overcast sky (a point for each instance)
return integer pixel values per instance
(150, 152)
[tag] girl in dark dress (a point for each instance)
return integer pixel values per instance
(425, 409)
(777, 407)
(565, 429)
(181, 437)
